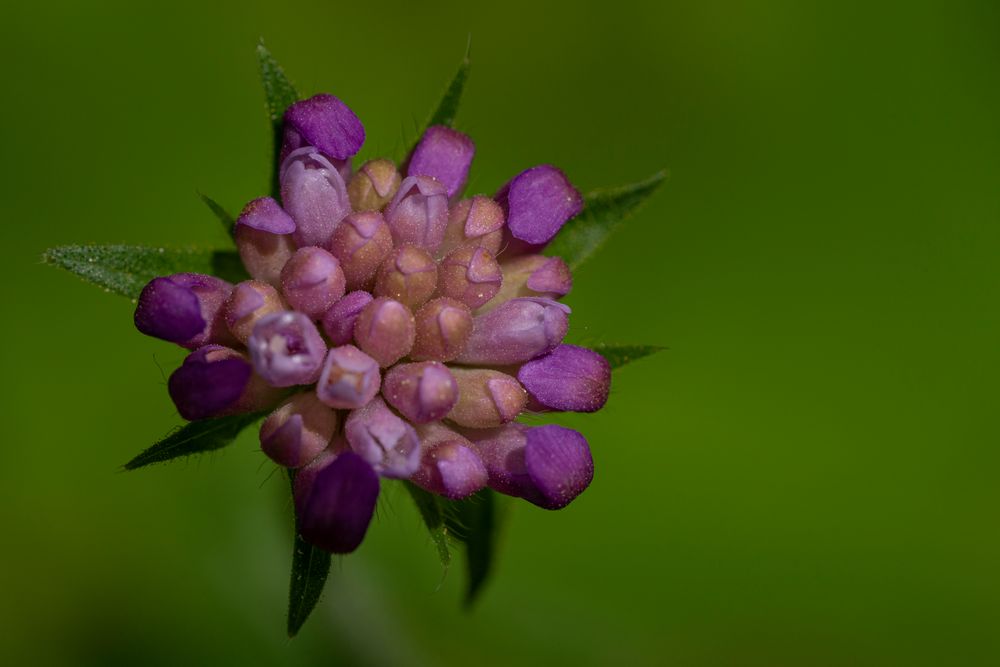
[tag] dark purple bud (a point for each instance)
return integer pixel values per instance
(214, 381)
(314, 194)
(409, 275)
(418, 213)
(328, 124)
(384, 440)
(448, 465)
(443, 327)
(361, 242)
(568, 378)
(185, 308)
(533, 275)
(471, 275)
(312, 281)
(350, 378)
(486, 398)
(422, 392)
(264, 239)
(298, 431)
(374, 185)
(338, 322)
(287, 349)
(445, 155)
(515, 332)
(385, 329)
(537, 203)
(476, 222)
(250, 301)
(335, 499)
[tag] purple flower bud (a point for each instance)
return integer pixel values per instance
(264, 239)
(422, 392)
(185, 308)
(515, 332)
(385, 329)
(374, 185)
(361, 242)
(477, 222)
(250, 301)
(537, 203)
(471, 275)
(448, 466)
(532, 275)
(443, 154)
(409, 276)
(418, 213)
(384, 440)
(287, 349)
(443, 327)
(350, 378)
(215, 381)
(312, 281)
(486, 398)
(335, 499)
(298, 431)
(568, 378)
(502, 452)
(338, 322)
(314, 194)
(328, 124)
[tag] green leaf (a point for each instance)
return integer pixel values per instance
(222, 214)
(619, 355)
(432, 510)
(448, 107)
(200, 436)
(310, 567)
(125, 269)
(279, 94)
(475, 522)
(604, 210)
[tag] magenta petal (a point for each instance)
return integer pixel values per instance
(338, 322)
(502, 452)
(266, 215)
(205, 386)
(445, 155)
(568, 378)
(538, 202)
(328, 124)
(185, 308)
(559, 463)
(516, 331)
(337, 503)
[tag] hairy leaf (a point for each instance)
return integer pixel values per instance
(619, 355)
(204, 435)
(604, 210)
(310, 567)
(222, 214)
(432, 510)
(475, 522)
(447, 109)
(125, 269)
(279, 94)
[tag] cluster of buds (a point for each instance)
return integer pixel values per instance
(391, 327)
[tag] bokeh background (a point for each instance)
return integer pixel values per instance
(808, 476)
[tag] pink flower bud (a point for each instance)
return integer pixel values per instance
(385, 329)
(486, 398)
(314, 194)
(409, 276)
(533, 276)
(350, 378)
(298, 431)
(286, 349)
(264, 239)
(312, 281)
(471, 275)
(250, 301)
(418, 213)
(373, 186)
(384, 440)
(422, 392)
(338, 322)
(361, 242)
(515, 332)
(477, 221)
(449, 465)
(443, 327)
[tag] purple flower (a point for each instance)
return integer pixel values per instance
(486, 398)
(385, 329)
(335, 499)
(568, 378)
(249, 302)
(445, 155)
(409, 276)
(326, 123)
(471, 275)
(338, 322)
(515, 332)
(418, 214)
(312, 281)
(314, 194)
(264, 239)
(537, 203)
(350, 378)
(443, 327)
(361, 242)
(422, 392)
(374, 185)
(477, 222)
(449, 465)
(215, 381)
(185, 308)
(384, 440)
(287, 349)
(298, 430)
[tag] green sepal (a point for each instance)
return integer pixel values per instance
(279, 94)
(619, 355)
(197, 437)
(227, 221)
(447, 108)
(310, 568)
(433, 511)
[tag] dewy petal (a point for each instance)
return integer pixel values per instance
(328, 124)
(422, 392)
(287, 349)
(559, 463)
(298, 431)
(418, 214)
(336, 501)
(314, 194)
(384, 440)
(185, 308)
(515, 332)
(210, 382)
(266, 215)
(338, 322)
(449, 466)
(538, 202)
(568, 378)
(445, 155)
(350, 378)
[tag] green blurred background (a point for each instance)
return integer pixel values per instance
(808, 476)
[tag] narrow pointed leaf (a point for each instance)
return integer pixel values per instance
(447, 109)
(222, 214)
(433, 513)
(279, 94)
(619, 355)
(197, 437)
(125, 269)
(310, 568)
(475, 522)
(604, 210)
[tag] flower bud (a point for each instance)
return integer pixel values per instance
(373, 186)
(537, 203)
(250, 301)
(264, 239)
(568, 378)
(298, 431)
(515, 332)
(214, 381)
(361, 242)
(185, 308)
(384, 440)
(334, 500)
(409, 276)
(422, 392)
(418, 214)
(477, 222)
(338, 322)
(471, 275)
(286, 349)
(532, 275)
(314, 194)
(445, 155)
(448, 464)
(350, 378)
(385, 329)
(486, 398)
(443, 327)
(327, 123)
(312, 281)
